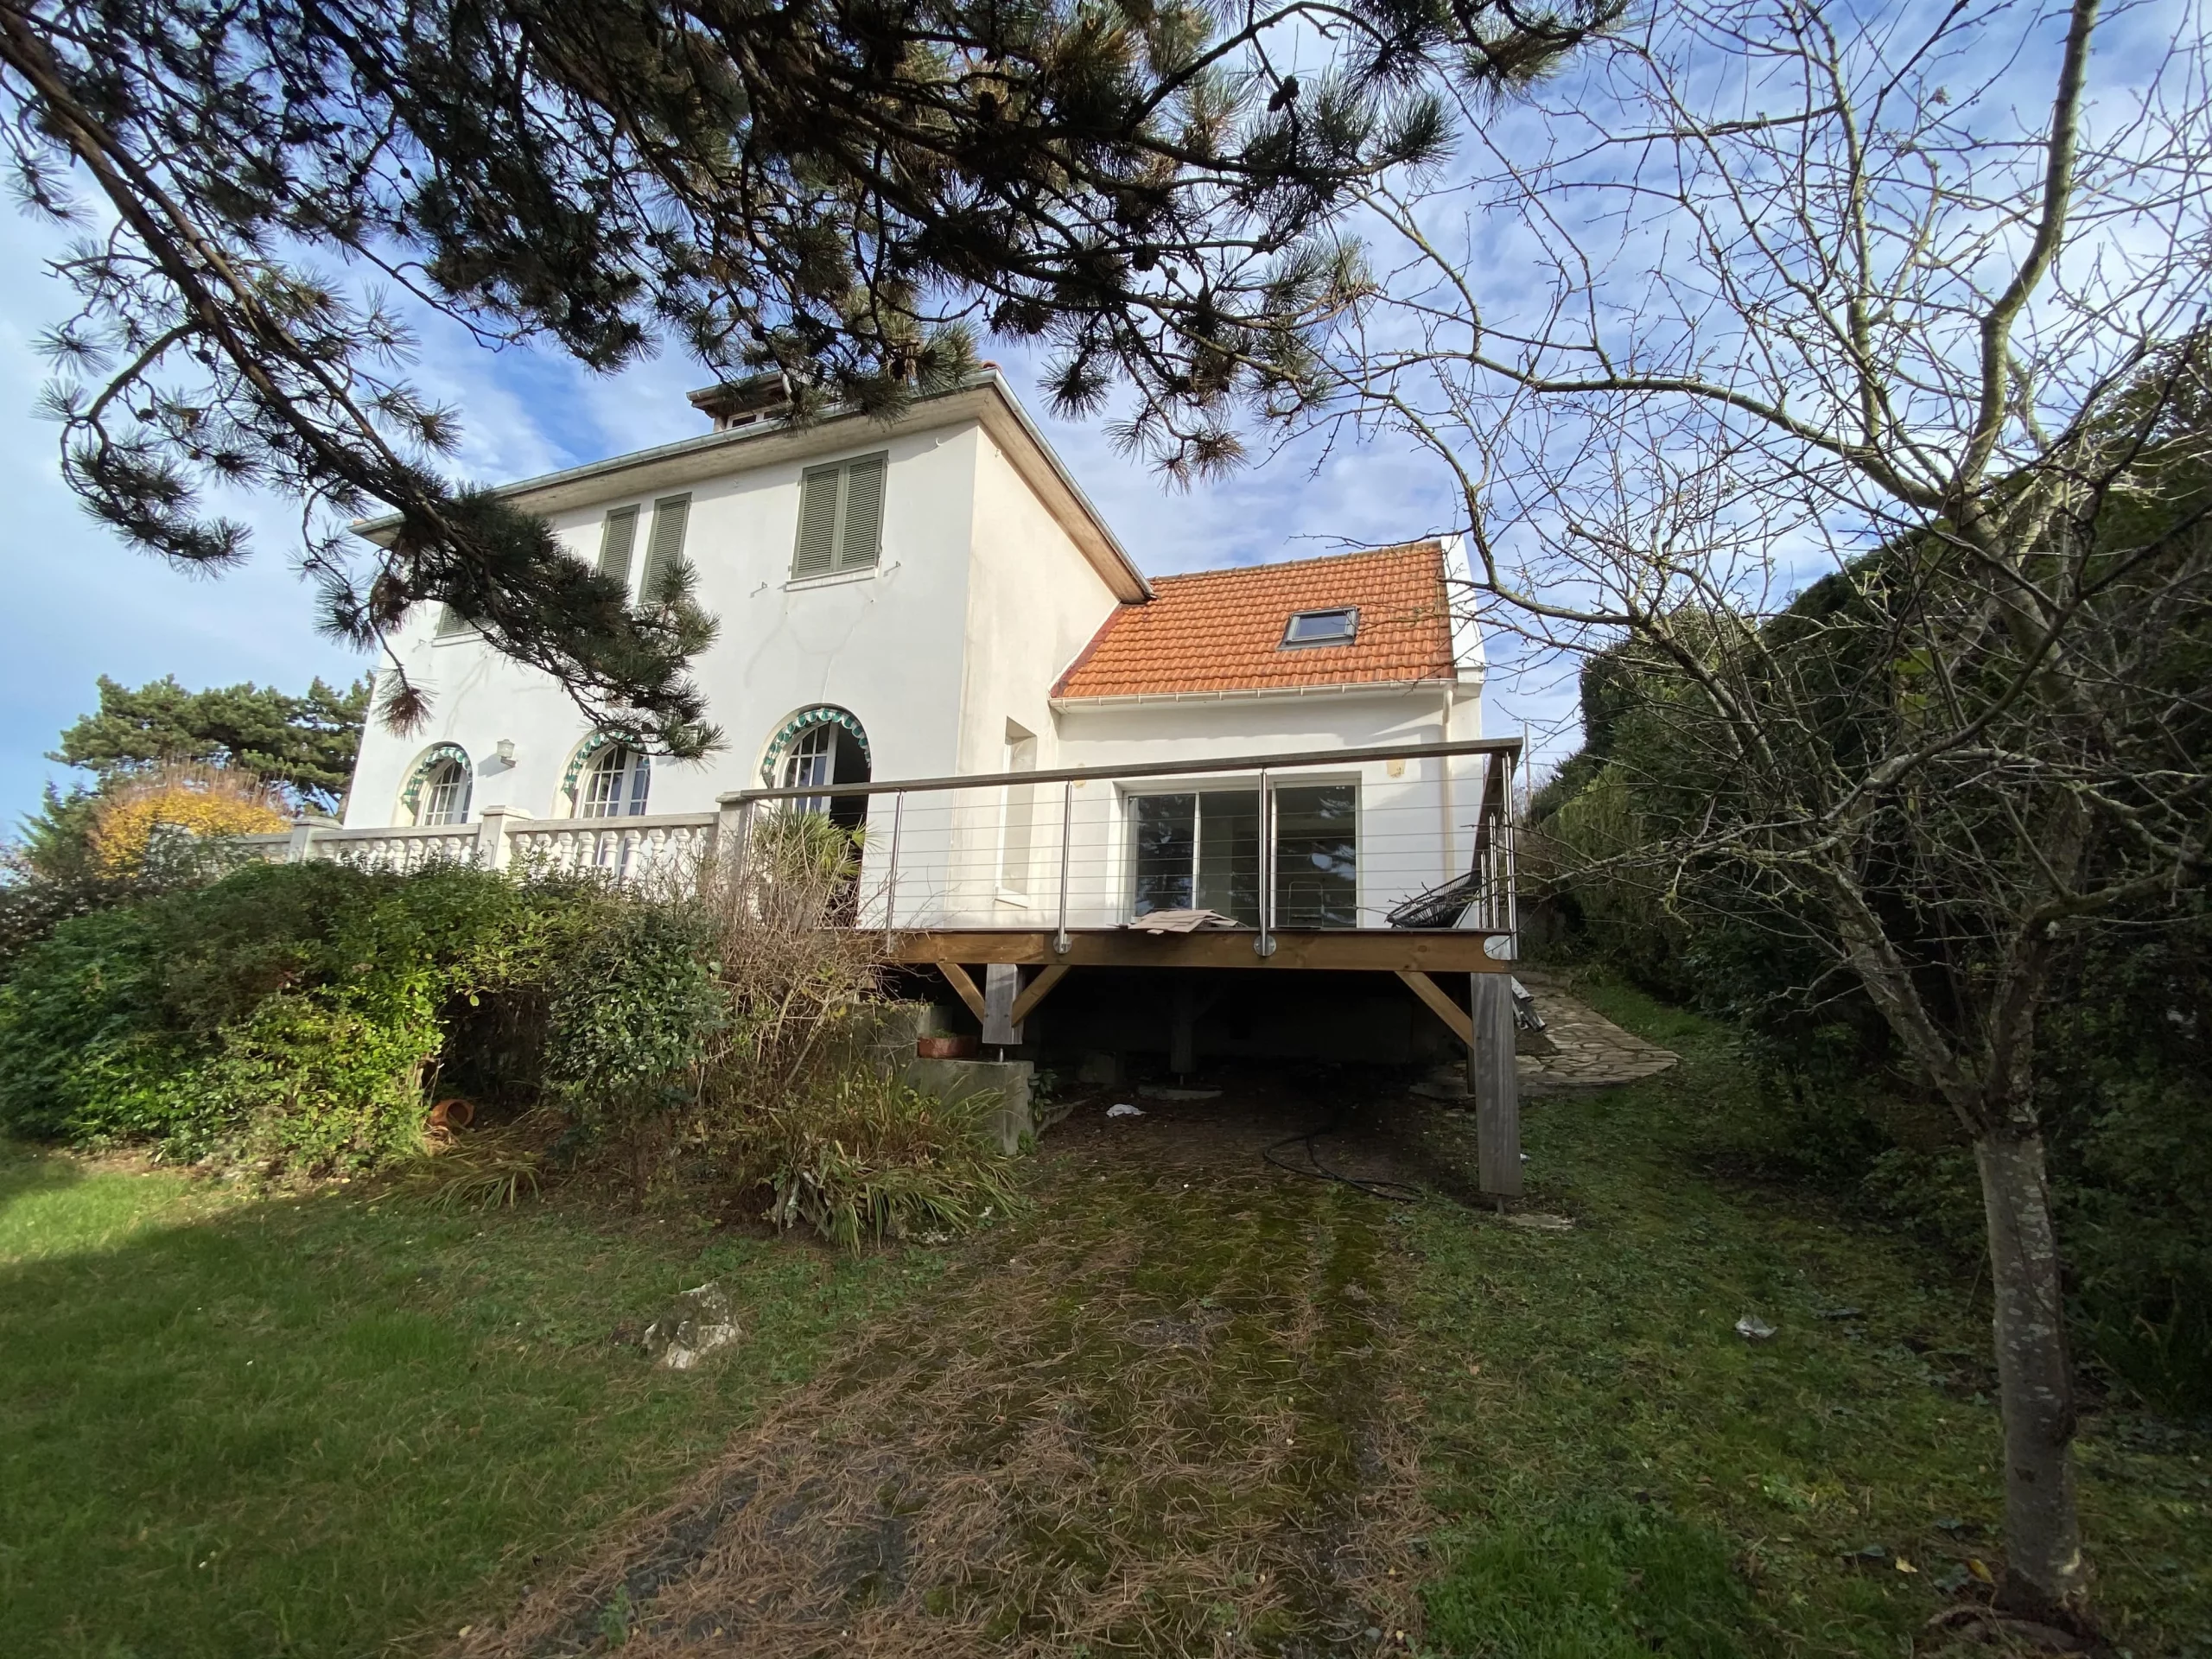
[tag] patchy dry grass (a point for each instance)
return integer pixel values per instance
(330, 1424)
(1155, 1416)
(1184, 1404)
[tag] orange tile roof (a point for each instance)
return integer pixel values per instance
(1221, 630)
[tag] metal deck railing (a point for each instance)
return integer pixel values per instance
(1416, 835)
(1396, 836)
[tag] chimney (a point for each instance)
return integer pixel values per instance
(743, 403)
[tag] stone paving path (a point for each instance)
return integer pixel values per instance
(1588, 1049)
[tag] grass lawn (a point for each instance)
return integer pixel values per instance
(232, 1425)
(1183, 1404)
(1619, 1471)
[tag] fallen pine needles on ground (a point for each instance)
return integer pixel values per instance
(1175, 1437)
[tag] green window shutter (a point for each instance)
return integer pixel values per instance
(451, 621)
(616, 539)
(670, 515)
(861, 539)
(817, 523)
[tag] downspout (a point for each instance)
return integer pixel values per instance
(1451, 859)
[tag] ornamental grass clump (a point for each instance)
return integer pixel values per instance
(861, 1157)
(795, 1107)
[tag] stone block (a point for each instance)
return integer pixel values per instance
(1009, 1121)
(881, 1034)
(694, 1324)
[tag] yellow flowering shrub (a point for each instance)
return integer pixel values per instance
(206, 801)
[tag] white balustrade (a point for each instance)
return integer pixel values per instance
(399, 851)
(660, 847)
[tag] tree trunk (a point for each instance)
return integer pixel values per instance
(2046, 1576)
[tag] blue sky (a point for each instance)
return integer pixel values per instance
(81, 604)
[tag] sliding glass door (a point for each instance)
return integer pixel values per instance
(1317, 856)
(1199, 849)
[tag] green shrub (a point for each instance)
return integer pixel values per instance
(297, 1017)
(305, 1086)
(633, 1007)
(2139, 1235)
(2123, 1073)
(287, 1013)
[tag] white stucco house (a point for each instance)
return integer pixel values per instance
(937, 598)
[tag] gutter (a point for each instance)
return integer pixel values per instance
(1259, 693)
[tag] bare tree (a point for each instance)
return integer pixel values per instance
(1766, 291)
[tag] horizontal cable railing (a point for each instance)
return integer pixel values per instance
(1344, 838)
(1407, 835)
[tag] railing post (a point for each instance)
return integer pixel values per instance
(733, 825)
(891, 876)
(491, 835)
(300, 847)
(1510, 831)
(1067, 819)
(1265, 945)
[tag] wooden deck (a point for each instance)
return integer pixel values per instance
(1454, 951)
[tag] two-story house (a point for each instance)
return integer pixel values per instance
(936, 599)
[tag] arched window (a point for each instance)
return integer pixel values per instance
(822, 744)
(614, 783)
(438, 789)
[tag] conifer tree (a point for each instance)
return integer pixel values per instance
(837, 191)
(306, 743)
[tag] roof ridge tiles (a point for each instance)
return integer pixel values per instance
(1257, 566)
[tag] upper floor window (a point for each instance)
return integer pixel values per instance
(618, 543)
(1336, 627)
(614, 783)
(840, 516)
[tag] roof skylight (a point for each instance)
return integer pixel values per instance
(1336, 627)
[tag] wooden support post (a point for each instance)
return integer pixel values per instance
(956, 976)
(1001, 985)
(1439, 1004)
(1037, 990)
(1183, 1028)
(1497, 1089)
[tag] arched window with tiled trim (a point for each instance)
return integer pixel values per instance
(823, 744)
(438, 787)
(606, 779)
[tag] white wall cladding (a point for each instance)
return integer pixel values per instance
(989, 584)
(887, 644)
